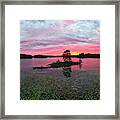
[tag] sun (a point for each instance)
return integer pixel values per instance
(75, 53)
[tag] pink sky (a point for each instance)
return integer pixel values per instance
(59, 50)
(52, 37)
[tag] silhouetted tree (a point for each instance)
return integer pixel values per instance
(81, 55)
(67, 56)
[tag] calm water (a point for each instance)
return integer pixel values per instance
(87, 64)
(58, 83)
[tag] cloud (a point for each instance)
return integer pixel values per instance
(37, 34)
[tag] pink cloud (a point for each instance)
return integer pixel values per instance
(59, 50)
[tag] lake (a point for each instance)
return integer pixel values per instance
(76, 82)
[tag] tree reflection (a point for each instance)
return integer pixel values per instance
(67, 71)
(80, 61)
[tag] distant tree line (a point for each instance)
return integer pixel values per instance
(88, 55)
(24, 56)
(40, 56)
(82, 55)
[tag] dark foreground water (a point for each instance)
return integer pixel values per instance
(77, 82)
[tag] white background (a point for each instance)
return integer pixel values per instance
(104, 106)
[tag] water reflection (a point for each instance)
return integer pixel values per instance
(67, 71)
(80, 65)
(86, 65)
(66, 67)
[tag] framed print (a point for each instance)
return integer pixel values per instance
(60, 60)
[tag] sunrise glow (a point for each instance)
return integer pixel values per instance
(75, 53)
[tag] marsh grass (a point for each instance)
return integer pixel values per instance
(82, 86)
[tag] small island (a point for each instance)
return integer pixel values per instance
(58, 64)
